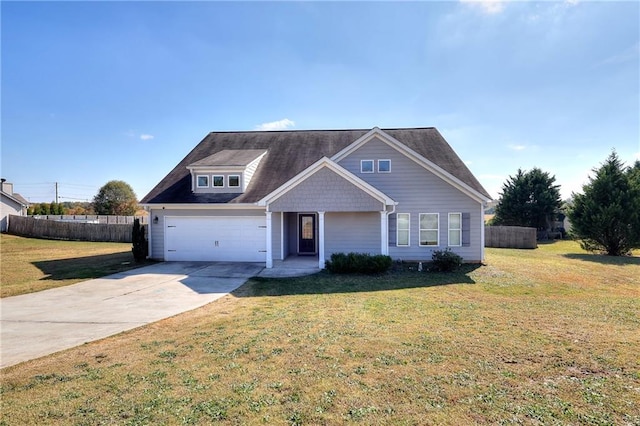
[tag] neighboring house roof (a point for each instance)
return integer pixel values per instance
(291, 152)
(17, 198)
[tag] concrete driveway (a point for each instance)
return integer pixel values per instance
(38, 324)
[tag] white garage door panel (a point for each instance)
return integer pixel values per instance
(239, 239)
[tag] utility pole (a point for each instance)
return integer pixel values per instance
(56, 192)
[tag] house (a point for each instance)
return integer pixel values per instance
(11, 203)
(263, 196)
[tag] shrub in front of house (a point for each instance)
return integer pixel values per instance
(444, 261)
(140, 247)
(358, 263)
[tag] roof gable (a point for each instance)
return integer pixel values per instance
(323, 163)
(476, 192)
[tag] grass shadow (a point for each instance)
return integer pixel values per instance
(604, 259)
(327, 283)
(87, 267)
(547, 242)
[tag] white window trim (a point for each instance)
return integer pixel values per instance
(229, 181)
(213, 177)
(449, 229)
(420, 229)
(408, 230)
(384, 159)
(373, 166)
(198, 181)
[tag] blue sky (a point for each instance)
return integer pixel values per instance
(95, 91)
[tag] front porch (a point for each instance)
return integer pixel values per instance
(325, 209)
(292, 266)
(309, 237)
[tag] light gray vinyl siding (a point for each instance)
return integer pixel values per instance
(276, 240)
(157, 229)
(250, 171)
(291, 237)
(417, 190)
(352, 232)
(9, 207)
(326, 191)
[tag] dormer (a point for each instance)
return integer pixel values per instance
(227, 171)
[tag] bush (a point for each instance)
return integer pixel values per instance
(445, 261)
(358, 263)
(140, 247)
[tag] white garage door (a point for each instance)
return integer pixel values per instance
(238, 239)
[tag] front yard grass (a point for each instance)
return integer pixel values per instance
(545, 336)
(30, 264)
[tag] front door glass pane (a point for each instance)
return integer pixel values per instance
(307, 227)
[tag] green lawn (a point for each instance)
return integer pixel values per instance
(30, 264)
(545, 336)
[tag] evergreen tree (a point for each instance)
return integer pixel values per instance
(528, 199)
(43, 209)
(606, 217)
(115, 198)
(140, 247)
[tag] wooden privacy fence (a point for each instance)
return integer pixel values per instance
(74, 231)
(510, 237)
(93, 218)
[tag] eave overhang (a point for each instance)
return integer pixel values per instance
(203, 206)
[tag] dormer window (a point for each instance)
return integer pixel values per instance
(234, 181)
(218, 181)
(203, 181)
(227, 171)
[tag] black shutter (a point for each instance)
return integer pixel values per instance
(466, 229)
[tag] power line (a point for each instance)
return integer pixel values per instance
(75, 199)
(79, 185)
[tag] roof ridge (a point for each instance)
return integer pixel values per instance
(320, 130)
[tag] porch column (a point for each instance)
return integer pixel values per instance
(269, 242)
(384, 232)
(321, 240)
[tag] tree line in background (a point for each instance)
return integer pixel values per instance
(116, 197)
(67, 207)
(605, 217)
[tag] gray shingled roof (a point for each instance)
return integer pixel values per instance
(289, 153)
(230, 157)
